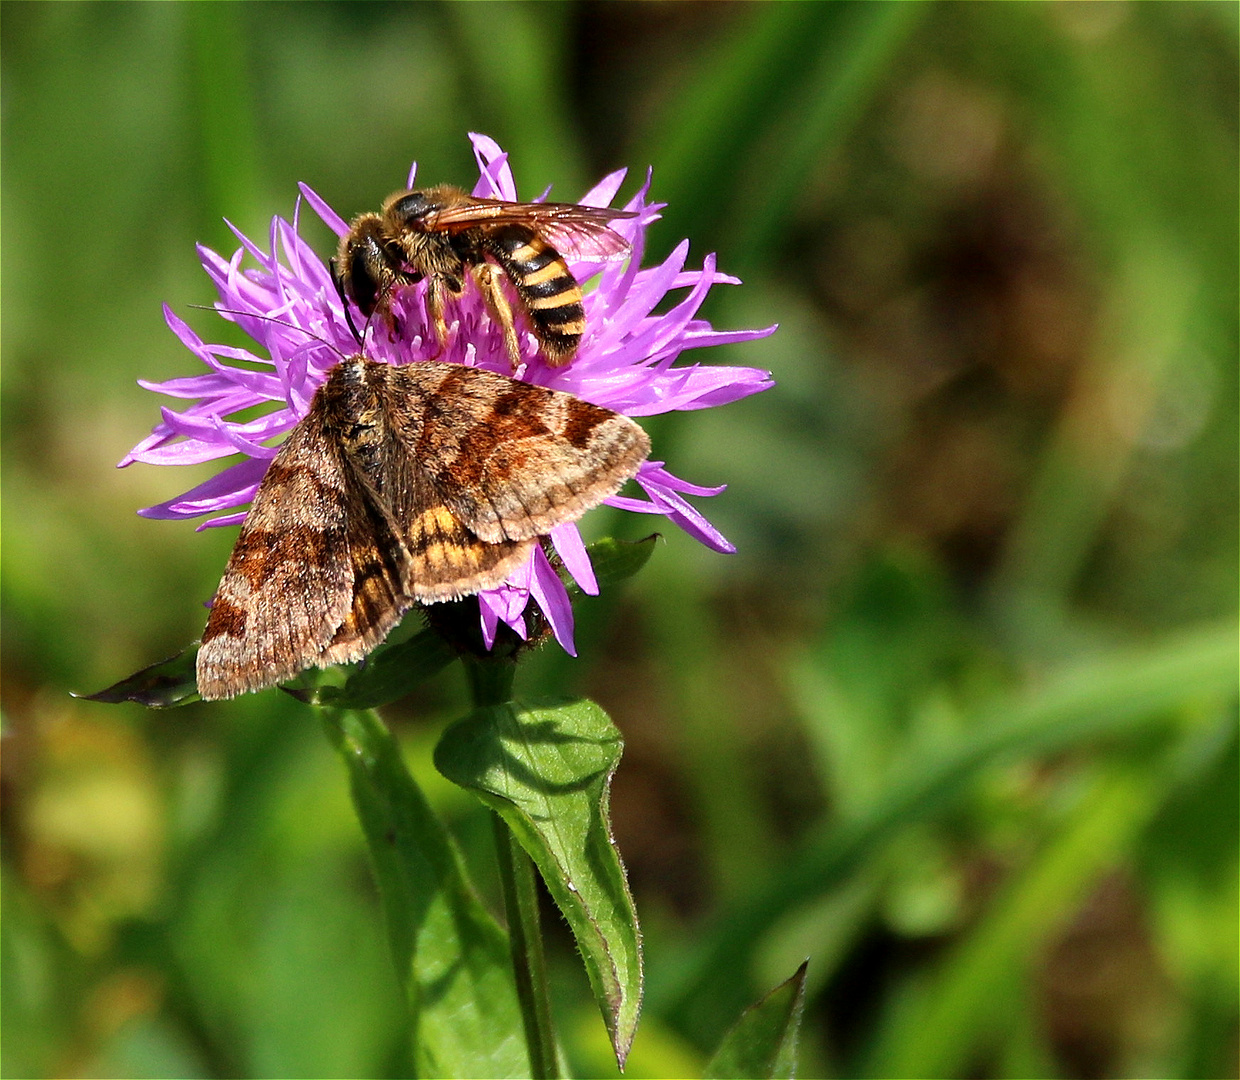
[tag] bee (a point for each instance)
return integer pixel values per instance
(440, 233)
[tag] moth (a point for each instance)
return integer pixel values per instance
(401, 485)
(440, 234)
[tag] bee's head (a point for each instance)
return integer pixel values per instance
(412, 208)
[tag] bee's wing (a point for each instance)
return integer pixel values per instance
(574, 231)
(584, 239)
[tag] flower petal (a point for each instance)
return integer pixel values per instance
(330, 218)
(605, 190)
(550, 595)
(572, 551)
(236, 484)
(496, 181)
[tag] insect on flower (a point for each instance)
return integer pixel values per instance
(363, 415)
(413, 484)
(440, 233)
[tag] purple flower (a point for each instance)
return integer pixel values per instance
(290, 307)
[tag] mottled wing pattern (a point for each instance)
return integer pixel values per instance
(288, 583)
(380, 567)
(426, 482)
(448, 561)
(508, 460)
(316, 576)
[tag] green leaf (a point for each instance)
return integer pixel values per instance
(980, 987)
(764, 1041)
(546, 770)
(165, 685)
(1122, 695)
(615, 560)
(387, 675)
(451, 956)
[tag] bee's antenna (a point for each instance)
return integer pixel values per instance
(370, 319)
(338, 279)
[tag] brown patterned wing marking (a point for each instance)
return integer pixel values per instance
(380, 566)
(288, 584)
(425, 483)
(449, 562)
(509, 460)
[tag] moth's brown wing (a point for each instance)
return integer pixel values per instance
(509, 461)
(380, 566)
(444, 560)
(449, 561)
(287, 585)
(300, 587)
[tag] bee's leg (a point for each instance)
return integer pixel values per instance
(438, 289)
(488, 276)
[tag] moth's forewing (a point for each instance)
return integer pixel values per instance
(288, 584)
(446, 561)
(509, 460)
(380, 566)
(426, 482)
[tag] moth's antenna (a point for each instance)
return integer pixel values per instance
(273, 319)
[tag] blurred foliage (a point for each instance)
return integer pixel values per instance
(958, 722)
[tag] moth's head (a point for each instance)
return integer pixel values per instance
(347, 397)
(349, 375)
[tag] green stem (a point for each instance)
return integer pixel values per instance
(490, 684)
(451, 956)
(490, 680)
(516, 875)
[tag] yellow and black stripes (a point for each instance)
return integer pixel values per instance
(549, 293)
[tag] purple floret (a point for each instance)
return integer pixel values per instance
(290, 307)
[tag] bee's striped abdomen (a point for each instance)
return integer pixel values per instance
(549, 294)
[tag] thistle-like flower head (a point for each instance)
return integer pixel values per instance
(289, 305)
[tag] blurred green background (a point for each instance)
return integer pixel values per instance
(957, 722)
